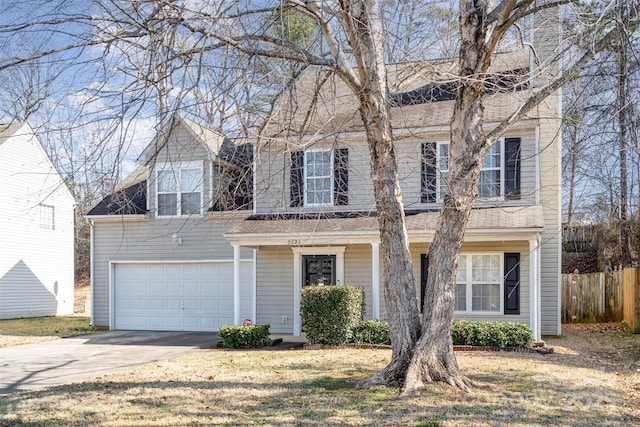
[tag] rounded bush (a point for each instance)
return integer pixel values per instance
(372, 332)
(331, 313)
(244, 336)
(491, 334)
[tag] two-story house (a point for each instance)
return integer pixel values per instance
(206, 232)
(314, 219)
(37, 229)
(159, 260)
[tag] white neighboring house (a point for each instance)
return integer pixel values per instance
(36, 228)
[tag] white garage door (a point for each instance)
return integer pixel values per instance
(179, 296)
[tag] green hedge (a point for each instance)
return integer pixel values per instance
(372, 332)
(491, 334)
(331, 313)
(244, 336)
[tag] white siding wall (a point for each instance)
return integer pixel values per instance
(36, 264)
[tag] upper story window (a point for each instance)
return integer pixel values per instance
(499, 174)
(319, 177)
(46, 218)
(180, 190)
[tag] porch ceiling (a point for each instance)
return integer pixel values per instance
(504, 223)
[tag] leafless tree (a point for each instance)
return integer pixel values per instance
(162, 45)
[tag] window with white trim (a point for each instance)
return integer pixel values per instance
(479, 283)
(318, 177)
(180, 191)
(491, 182)
(46, 217)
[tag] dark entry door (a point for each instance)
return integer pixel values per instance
(318, 270)
(424, 269)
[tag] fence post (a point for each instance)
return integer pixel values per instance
(631, 297)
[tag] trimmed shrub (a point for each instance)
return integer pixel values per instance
(244, 336)
(491, 334)
(331, 313)
(372, 332)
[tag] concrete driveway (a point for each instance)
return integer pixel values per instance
(35, 366)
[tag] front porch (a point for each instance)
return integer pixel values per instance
(284, 246)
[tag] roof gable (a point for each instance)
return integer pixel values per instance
(422, 95)
(14, 133)
(212, 141)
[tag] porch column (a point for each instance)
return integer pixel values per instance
(236, 284)
(534, 288)
(375, 280)
(297, 289)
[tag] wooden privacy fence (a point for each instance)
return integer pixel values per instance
(602, 297)
(631, 292)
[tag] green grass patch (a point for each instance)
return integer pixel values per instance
(58, 326)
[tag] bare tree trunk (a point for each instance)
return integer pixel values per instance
(623, 109)
(365, 30)
(433, 359)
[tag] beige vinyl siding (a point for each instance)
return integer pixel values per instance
(202, 239)
(275, 283)
(181, 148)
(525, 279)
(550, 193)
(409, 153)
(273, 175)
(357, 272)
(520, 247)
(274, 292)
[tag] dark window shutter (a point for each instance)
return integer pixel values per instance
(512, 283)
(512, 168)
(341, 177)
(428, 175)
(297, 179)
(424, 271)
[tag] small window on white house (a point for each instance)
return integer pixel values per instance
(47, 217)
(318, 173)
(180, 191)
(479, 283)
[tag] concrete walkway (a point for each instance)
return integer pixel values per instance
(35, 366)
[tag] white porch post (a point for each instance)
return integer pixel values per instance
(375, 279)
(236, 284)
(534, 288)
(297, 285)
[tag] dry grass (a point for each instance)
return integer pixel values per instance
(38, 329)
(592, 379)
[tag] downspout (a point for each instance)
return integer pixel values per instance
(537, 163)
(539, 268)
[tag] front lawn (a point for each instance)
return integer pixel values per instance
(593, 378)
(37, 329)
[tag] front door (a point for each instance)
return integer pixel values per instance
(318, 270)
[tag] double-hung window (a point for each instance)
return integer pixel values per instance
(46, 216)
(500, 176)
(491, 182)
(318, 176)
(479, 283)
(180, 190)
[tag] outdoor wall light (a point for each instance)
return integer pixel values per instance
(176, 240)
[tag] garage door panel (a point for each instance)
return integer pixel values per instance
(174, 296)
